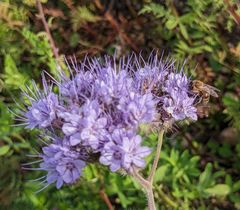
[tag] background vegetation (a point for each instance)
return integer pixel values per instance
(200, 163)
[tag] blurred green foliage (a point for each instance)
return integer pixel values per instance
(199, 165)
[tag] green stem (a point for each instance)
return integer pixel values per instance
(147, 184)
(150, 199)
(157, 156)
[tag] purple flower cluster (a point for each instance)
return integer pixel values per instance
(98, 111)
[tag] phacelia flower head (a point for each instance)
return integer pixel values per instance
(99, 109)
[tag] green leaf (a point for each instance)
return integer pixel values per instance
(207, 48)
(187, 18)
(218, 174)
(225, 151)
(210, 40)
(4, 149)
(161, 173)
(74, 39)
(228, 180)
(174, 156)
(12, 76)
(82, 15)
(194, 160)
(194, 172)
(205, 177)
(183, 46)
(219, 190)
(171, 23)
(184, 31)
(236, 186)
(157, 10)
(236, 199)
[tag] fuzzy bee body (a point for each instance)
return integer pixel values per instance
(204, 92)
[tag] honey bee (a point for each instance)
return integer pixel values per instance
(204, 93)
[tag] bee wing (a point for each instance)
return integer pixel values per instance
(212, 90)
(213, 93)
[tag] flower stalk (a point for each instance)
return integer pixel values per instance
(157, 156)
(147, 184)
(150, 199)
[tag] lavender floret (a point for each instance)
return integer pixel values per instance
(62, 166)
(124, 151)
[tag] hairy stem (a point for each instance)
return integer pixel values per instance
(150, 199)
(144, 183)
(156, 159)
(147, 186)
